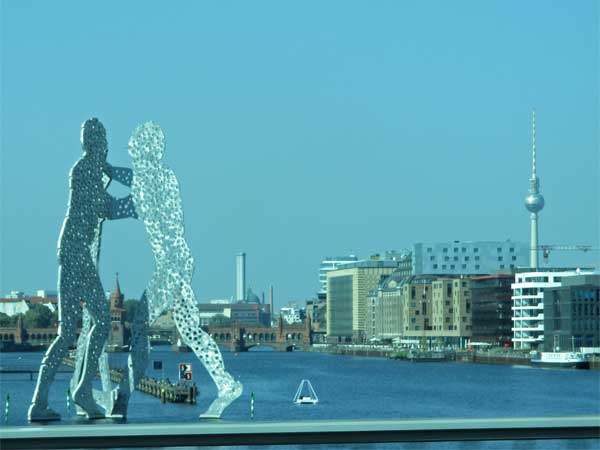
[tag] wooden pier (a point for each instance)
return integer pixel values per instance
(162, 389)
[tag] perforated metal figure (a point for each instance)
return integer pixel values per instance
(157, 200)
(89, 204)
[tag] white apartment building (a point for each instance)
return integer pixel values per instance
(528, 304)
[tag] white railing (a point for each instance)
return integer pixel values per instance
(297, 433)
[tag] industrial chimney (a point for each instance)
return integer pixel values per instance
(240, 270)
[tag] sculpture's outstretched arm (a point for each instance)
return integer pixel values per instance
(121, 208)
(123, 175)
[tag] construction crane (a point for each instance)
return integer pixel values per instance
(547, 248)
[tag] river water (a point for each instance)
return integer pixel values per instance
(348, 388)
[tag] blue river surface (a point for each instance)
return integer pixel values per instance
(348, 388)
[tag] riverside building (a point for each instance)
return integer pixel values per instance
(572, 314)
(491, 303)
(425, 309)
(528, 304)
(347, 290)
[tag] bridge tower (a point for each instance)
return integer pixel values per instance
(237, 337)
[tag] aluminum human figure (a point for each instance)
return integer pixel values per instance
(157, 200)
(78, 279)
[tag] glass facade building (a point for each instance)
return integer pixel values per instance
(472, 257)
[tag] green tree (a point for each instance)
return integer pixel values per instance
(38, 316)
(7, 321)
(130, 306)
(219, 320)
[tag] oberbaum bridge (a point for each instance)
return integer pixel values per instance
(239, 337)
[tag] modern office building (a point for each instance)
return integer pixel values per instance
(528, 304)
(468, 258)
(347, 290)
(572, 314)
(491, 309)
(331, 263)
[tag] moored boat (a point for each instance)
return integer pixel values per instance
(568, 360)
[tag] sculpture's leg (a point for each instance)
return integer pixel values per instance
(68, 313)
(97, 306)
(106, 397)
(186, 317)
(137, 359)
(86, 325)
(138, 356)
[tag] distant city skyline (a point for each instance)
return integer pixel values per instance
(299, 131)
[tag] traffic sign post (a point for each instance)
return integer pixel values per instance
(185, 372)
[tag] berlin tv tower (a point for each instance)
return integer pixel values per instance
(534, 202)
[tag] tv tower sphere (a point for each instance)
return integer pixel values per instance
(534, 202)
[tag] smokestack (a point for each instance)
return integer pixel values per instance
(240, 269)
(271, 300)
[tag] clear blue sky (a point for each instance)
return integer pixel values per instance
(302, 129)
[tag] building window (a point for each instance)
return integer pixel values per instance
(477, 258)
(502, 266)
(455, 250)
(514, 258)
(499, 258)
(446, 258)
(445, 250)
(475, 250)
(466, 258)
(443, 266)
(512, 250)
(499, 249)
(452, 266)
(435, 266)
(432, 258)
(456, 258)
(464, 249)
(476, 266)
(464, 266)
(429, 249)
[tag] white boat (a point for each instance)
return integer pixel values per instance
(302, 399)
(561, 359)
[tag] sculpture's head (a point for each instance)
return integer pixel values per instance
(147, 143)
(93, 138)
